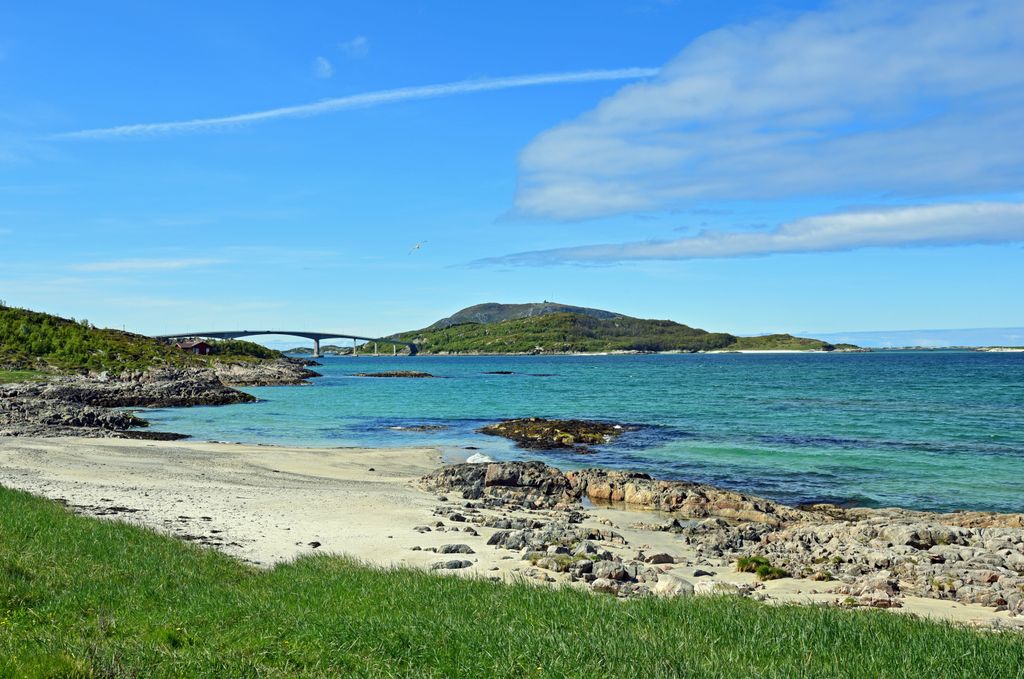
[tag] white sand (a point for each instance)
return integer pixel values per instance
(266, 504)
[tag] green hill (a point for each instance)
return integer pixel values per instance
(492, 312)
(35, 341)
(547, 328)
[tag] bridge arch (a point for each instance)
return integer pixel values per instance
(315, 336)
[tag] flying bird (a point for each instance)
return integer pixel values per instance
(417, 246)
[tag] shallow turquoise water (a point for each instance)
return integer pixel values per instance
(927, 430)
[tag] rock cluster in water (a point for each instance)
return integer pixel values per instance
(538, 433)
(396, 373)
(876, 556)
(87, 405)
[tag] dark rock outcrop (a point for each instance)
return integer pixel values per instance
(396, 373)
(85, 405)
(160, 388)
(532, 484)
(538, 433)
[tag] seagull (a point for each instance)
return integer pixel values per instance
(417, 246)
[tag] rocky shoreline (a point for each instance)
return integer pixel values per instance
(93, 405)
(864, 557)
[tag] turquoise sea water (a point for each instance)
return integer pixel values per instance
(926, 430)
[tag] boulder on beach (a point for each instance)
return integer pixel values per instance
(450, 565)
(533, 484)
(671, 585)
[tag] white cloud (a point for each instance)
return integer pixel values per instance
(908, 99)
(947, 224)
(322, 68)
(357, 48)
(141, 264)
(360, 101)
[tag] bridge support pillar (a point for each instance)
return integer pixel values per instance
(394, 350)
(316, 349)
(354, 347)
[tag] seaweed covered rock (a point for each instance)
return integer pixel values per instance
(542, 434)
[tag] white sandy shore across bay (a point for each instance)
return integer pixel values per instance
(267, 504)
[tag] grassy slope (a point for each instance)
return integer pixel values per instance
(31, 340)
(566, 332)
(7, 376)
(84, 597)
(787, 342)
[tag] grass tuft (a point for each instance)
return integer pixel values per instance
(750, 564)
(766, 572)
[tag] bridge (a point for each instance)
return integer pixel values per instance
(315, 336)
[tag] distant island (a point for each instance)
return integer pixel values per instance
(552, 328)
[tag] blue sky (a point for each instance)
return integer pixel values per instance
(783, 166)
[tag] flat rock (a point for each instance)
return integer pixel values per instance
(451, 564)
(455, 549)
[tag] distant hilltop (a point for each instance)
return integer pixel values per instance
(493, 312)
(553, 328)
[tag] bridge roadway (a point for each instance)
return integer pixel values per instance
(315, 336)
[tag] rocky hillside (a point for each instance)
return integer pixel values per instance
(548, 328)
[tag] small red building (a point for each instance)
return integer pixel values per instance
(198, 347)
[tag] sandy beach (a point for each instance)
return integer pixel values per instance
(267, 504)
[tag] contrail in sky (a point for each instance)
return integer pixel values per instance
(359, 101)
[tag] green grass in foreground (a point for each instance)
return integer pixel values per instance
(8, 376)
(83, 597)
